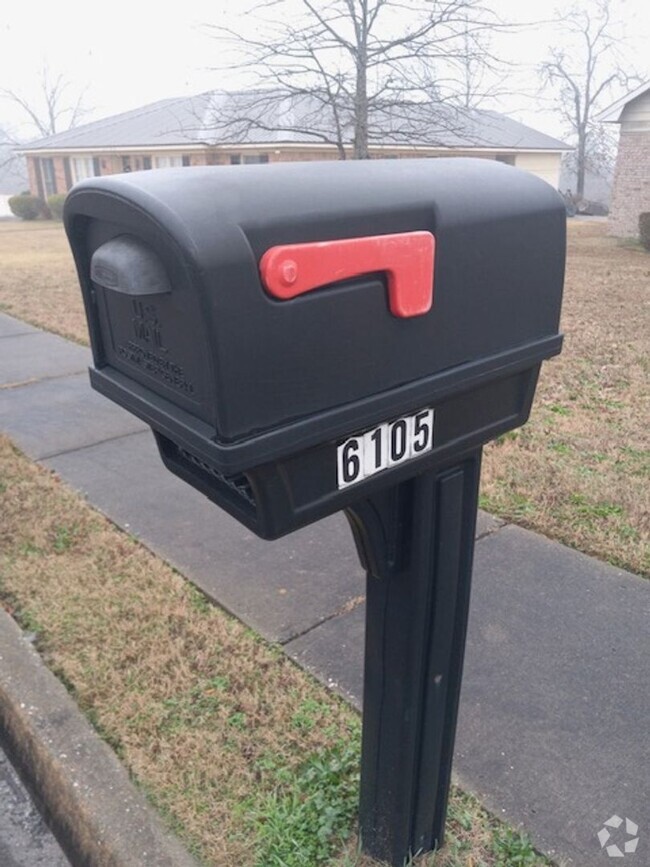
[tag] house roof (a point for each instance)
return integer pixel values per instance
(614, 112)
(167, 122)
(266, 117)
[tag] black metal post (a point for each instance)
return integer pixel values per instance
(416, 541)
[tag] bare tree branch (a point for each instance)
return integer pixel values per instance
(581, 74)
(55, 109)
(356, 68)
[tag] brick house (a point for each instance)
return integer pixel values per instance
(631, 191)
(191, 131)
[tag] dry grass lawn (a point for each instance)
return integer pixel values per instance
(578, 472)
(249, 759)
(38, 280)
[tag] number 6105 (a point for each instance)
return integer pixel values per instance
(385, 446)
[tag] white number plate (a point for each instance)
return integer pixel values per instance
(385, 446)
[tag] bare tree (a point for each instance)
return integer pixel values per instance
(57, 107)
(8, 156)
(478, 75)
(583, 74)
(341, 71)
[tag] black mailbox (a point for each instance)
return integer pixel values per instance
(250, 392)
(315, 337)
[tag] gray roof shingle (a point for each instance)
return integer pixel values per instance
(264, 117)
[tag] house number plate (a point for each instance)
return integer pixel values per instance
(385, 446)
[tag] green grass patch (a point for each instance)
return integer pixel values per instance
(558, 409)
(309, 814)
(594, 511)
(514, 849)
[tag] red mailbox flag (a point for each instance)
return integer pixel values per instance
(289, 270)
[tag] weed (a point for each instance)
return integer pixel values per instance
(508, 436)
(63, 538)
(199, 601)
(310, 814)
(559, 409)
(520, 506)
(28, 621)
(309, 712)
(634, 462)
(595, 510)
(29, 549)
(196, 708)
(514, 849)
(237, 720)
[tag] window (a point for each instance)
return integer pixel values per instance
(126, 164)
(186, 160)
(167, 162)
(508, 159)
(49, 178)
(254, 159)
(146, 163)
(235, 159)
(82, 167)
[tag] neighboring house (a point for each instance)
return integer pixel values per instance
(195, 131)
(13, 178)
(631, 191)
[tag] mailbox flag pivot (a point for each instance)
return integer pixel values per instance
(290, 270)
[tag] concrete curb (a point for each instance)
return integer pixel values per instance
(94, 810)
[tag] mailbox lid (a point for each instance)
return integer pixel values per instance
(277, 365)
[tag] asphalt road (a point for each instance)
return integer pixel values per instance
(25, 840)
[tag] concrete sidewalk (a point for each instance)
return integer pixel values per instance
(553, 730)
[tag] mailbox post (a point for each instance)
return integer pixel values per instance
(304, 339)
(416, 541)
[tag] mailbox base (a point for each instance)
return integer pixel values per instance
(416, 542)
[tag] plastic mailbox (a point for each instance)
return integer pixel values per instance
(315, 337)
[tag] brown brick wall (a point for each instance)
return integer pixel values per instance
(109, 164)
(296, 156)
(631, 192)
(198, 159)
(31, 174)
(59, 174)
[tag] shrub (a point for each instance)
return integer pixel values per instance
(55, 205)
(26, 207)
(644, 229)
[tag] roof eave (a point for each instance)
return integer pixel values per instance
(107, 149)
(275, 145)
(614, 113)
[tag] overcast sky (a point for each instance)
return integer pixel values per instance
(128, 53)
